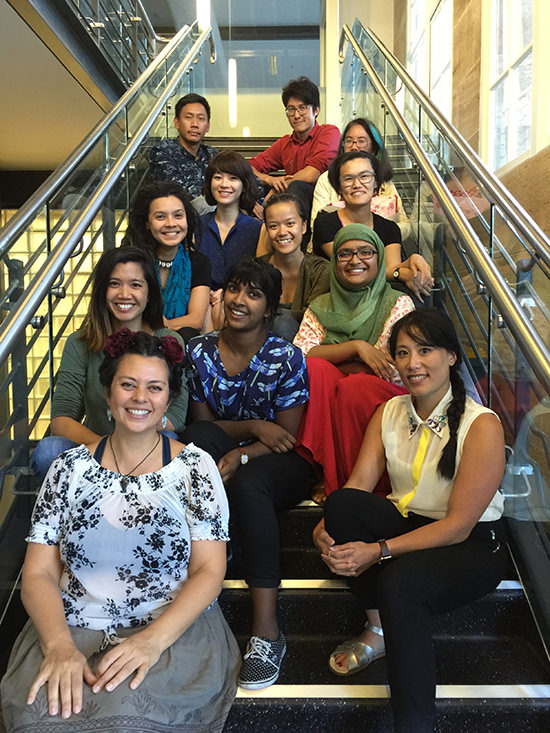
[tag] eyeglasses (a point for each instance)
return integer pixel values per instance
(302, 109)
(364, 179)
(360, 142)
(363, 253)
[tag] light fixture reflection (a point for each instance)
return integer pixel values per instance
(232, 91)
(203, 14)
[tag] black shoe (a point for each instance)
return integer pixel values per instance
(262, 662)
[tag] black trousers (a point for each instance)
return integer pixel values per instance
(409, 590)
(258, 490)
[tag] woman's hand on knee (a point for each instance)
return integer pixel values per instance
(353, 558)
(321, 538)
(136, 654)
(63, 671)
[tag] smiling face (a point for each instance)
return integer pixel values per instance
(357, 182)
(139, 393)
(355, 271)
(226, 188)
(285, 227)
(245, 306)
(192, 125)
(127, 295)
(167, 221)
(424, 370)
(357, 138)
(302, 122)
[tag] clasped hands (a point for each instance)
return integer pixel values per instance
(65, 668)
(350, 559)
(276, 438)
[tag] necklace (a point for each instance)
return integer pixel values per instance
(125, 476)
(165, 263)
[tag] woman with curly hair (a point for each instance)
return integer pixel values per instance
(163, 222)
(125, 561)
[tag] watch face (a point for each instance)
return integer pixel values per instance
(396, 274)
(244, 458)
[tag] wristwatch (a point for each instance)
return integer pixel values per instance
(396, 273)
(244, 456)
(385, 553)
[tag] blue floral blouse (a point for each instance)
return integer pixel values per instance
(274, 380)
(126, 550)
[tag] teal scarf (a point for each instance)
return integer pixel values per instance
(176, 294)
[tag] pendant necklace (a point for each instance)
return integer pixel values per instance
(125, 476)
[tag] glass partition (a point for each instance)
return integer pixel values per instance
(498, 370)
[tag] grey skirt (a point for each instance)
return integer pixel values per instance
(190, 688)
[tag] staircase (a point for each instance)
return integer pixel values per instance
(493, 673)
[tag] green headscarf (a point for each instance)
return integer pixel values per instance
(355, 314)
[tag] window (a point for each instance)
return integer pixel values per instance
(510, 80)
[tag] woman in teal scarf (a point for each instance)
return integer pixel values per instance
(344, 335)
(162, 221)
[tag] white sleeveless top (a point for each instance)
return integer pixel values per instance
(413, 448)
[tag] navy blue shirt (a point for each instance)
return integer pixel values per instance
(240, 242)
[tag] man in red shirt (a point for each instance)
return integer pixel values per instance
(306, 153)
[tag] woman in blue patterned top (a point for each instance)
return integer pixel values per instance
(125, 561)
(248, 390)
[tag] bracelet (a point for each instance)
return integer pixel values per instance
(385, 553)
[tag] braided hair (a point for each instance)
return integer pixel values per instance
(432, 327)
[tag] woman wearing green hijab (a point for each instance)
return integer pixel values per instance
(344, 335)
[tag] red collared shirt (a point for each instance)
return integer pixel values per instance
(318, 150)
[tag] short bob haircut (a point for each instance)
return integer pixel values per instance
(303, 89)
(143, 344)
(98, 324)
(340, 160)
(378, 149)
(286, 197)
(137, 233)
(191, 99)
(259, 274)
(235, 165)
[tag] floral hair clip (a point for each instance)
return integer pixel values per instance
(118, 343)
(172, 349)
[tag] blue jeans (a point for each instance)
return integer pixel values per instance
(46, 452)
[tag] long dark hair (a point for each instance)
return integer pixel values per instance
(432, 327)
(137, 233)
(97, 324)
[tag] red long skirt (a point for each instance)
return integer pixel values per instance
(336, 417)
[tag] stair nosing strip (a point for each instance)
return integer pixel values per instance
(468, 692)
(336, 584)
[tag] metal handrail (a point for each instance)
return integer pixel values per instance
(18, 318)
(150, 29)
(521, 328)
(22, 218)
(500, 196)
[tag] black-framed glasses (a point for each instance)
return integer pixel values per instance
(363, 253)
(364, 179)
(301, 109)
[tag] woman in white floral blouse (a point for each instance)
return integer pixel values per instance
(125, 561)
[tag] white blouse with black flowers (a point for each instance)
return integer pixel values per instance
(126, 550)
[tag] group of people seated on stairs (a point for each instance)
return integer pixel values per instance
(300, 370)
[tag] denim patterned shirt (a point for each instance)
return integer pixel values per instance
(274, 380)
(170, 161)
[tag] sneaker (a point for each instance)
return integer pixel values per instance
(262, 662)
